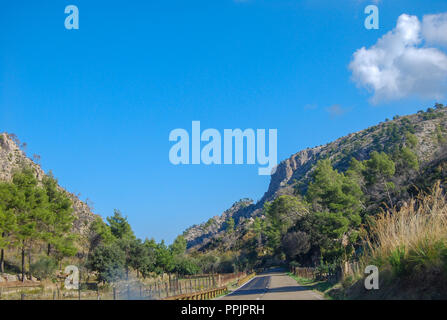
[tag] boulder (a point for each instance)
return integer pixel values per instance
(10, 277)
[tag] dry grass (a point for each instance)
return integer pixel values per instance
(409, 246)
(413, 240)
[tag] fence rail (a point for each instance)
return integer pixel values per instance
(149, 289)
(201, 295)
(344, 270)
(246, 279)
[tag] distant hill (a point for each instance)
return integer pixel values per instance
(293, 174)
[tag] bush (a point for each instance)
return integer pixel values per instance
(44, 268)
(296, 243)
(109, 262)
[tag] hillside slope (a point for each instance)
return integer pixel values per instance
(293, 174)
(13, 158)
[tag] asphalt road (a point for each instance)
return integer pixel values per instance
(273, 285)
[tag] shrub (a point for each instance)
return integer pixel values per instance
(44, 268)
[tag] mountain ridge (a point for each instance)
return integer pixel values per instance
(294, 173)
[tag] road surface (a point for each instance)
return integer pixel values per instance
(273, 285)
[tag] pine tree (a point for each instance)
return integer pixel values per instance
(30, 209)
(57, 224)
(7, 220)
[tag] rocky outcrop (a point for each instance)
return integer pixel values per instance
(293, 174)
(13, 158)
(200, 235)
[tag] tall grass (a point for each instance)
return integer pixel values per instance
(411, 242)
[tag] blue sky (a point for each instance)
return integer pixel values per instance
(98, 103)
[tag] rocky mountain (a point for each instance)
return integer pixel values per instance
(197, 235)
(13, 158)
(293, 174)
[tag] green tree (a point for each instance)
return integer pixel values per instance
(109, 261)
(229, 225)
(164, 258)
(178, 247)
(126, 240)
(295, 243)
(100, 233)
(186, 265)
(409, 158)
(119, 226)
(327, 231)
(284, 211)
(378, 170)
(207, 263)
(411, 139)
(148, 260)
(142, 257)
(281, 213)
(334, 191)
(57, 224)
(7, 220)
(30, 209)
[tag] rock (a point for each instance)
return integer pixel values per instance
(10, 277)
(12, 158)
(293, 175)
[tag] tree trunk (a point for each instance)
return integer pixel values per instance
(49, 249)
(387, 191)
(2, 260)
(23, 263)
(2, 257)
(29, 263)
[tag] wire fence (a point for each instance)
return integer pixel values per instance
(331, 274)
(147, 289)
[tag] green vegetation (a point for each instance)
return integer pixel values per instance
(36, 219)
(323, 287)
(115, 251)
(229, 225)
(325, 222)
(357, 201)
(409, 246)
(32, 215)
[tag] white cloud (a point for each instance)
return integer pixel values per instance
(399, 66)
(434, 29)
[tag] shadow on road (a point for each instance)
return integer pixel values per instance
(260, 285)
(256, 286)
